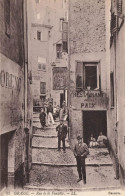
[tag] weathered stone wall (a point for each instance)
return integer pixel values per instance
(13, 87)
(87, 26)
(116, 114)
(87, 43)
(49, 24)
(12, 45)
(76, 125)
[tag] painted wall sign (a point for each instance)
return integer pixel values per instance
(10, 81)
(87, 105)
(86, 93)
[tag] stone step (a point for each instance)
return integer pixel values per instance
(49, 143)
(49, 177)
(40, 190)
(44, 136)
(37, 124)
(53, 157)
(46, 133)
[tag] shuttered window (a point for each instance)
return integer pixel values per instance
(39, 35)
(42, 87)
(7, 16)
(65, 36)
(88, 76)
(79, 75)
(59, 51)
(119, 6)
(112, 88)
(113, 23)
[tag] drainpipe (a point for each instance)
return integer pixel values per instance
(117, 154)
(25, 61)
(69, 98)
(27, 135)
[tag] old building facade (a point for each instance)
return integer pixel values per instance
(96, 69)
(117, 85)
(15, 95)
(46, 48)
(88, 68)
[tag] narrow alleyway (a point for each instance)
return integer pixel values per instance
(54, 170)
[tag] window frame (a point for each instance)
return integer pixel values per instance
(85, 64)
(41, 63)
(44, 91)
(39, 36)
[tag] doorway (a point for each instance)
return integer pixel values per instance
(4, 161)
(94, 122)
(62, 99)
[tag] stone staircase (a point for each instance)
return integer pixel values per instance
(56, 170)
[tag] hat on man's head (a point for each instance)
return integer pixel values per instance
(79, 137)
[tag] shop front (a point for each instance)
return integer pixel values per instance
(88, 115)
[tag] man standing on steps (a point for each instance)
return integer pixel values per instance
(62, 132)
(80, 152)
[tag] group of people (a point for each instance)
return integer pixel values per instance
(46, 116)
(101, 141)
(81, 149)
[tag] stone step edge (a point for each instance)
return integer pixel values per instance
(44, 136)
(72, 165)
(34, 117)
(30, 187)
(47, 128)
(33, 146)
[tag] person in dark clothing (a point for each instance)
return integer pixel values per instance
(42, 117)
(62, 132)
(80, 152)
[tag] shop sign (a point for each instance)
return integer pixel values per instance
(87, 105)
(60, 78)
(86, 93)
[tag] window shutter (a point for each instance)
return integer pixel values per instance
(7, 16)
(42, 87)
(79, 75)
(119, 6)
(112, 88)
(65, 36)
(113, 23)
(64, 31)
(58, 50)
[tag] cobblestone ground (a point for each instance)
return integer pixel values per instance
(46, 142)
(66, 177)
(57, 170)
